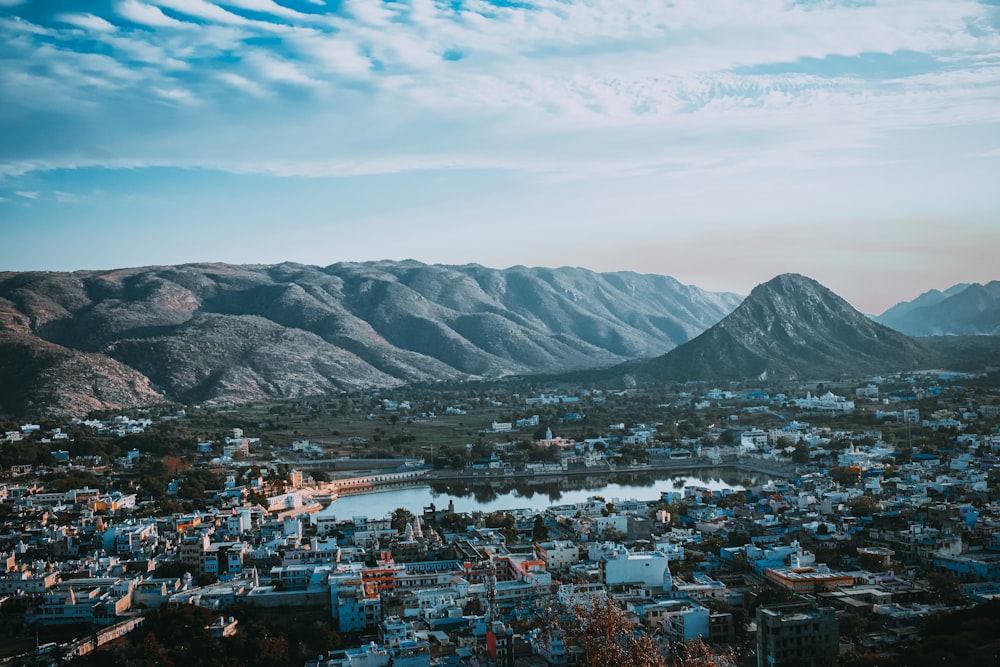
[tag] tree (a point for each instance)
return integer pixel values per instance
(871, 562)
(801, 453)
(539, 531)
(731, 500)
(696, 653)
(401, 517)
(845, 476)
(864, 506)
(608, 638)
(945, 588)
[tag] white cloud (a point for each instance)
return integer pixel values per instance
(27, 194)
(334, 53)
(243, 84)
(278, 69)
(204, 10)
(372, 12)
(267, 7)
(143, 14)
(530, 86)
(178, 95)
(88, 22)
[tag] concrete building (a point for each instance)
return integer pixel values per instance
(808, 579)
(558, 554)
(799, 634)
(647, 568)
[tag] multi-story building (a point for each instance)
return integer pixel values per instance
(647, 568)
(133, 540)
(100, 601)
(206, 557)
(799, 634)
(687, 621)
(558, 554)
(354, 610)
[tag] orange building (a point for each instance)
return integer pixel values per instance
(808, 579)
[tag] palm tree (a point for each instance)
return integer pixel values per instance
(401, 517)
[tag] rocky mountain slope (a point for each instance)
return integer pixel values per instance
(70, 342)
(963, 310)
(789, 327)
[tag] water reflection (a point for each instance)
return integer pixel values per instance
(534, 493)
(554, 488)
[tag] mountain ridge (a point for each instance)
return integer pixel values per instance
(962, 310)
(222, 332)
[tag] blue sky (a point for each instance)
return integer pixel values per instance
(720, 142)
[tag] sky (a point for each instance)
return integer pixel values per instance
(721, 142)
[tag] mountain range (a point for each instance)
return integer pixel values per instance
(962, 310)
(74, 342)
(71, 343)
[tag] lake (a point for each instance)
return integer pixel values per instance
(533, 494)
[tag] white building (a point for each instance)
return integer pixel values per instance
(684, 620)
(558, 554)
(828, 402)
(646, 568)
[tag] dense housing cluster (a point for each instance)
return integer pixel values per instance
(853, 520)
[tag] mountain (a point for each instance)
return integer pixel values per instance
(928, 298)
(790, 327)
(963, 310)
(71, 342)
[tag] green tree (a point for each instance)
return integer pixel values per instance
(845, 476)
(539, 531)
(871, 562)
(944, 587)
(401, 517)
(864, 506)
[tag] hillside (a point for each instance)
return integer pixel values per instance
(70, 342)
(963, 310)
(790, 327)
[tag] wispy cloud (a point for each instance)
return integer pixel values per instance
(88, 22)
(419, 84)
(278, 69)
(269, 7)
(178, 95)
(243, 84)
(203, 10)
(147, 15)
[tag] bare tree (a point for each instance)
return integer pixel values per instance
(609, 639)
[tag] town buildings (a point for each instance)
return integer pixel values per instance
(861, 546)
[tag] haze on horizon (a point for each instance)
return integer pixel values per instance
(720, 143)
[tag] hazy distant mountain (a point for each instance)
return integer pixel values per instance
(211, 332)
(963, 310)
(789, 327)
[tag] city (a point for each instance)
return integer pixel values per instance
(805, 526)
